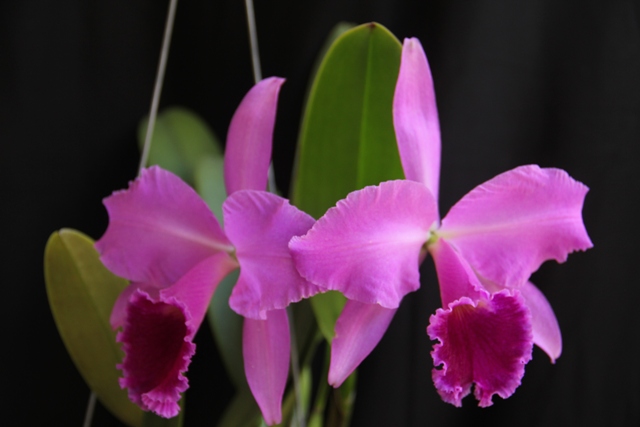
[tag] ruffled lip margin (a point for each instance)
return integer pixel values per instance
(486, 342)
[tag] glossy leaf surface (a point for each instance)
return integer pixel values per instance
(81, 293)
(347, 140)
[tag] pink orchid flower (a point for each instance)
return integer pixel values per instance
(165, 240)
(369, 247)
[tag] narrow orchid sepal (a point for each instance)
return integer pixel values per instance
(266, 350)
(368, 246)
(546, 331)
(159, 228)
(249, 139)
(415, 118)
(508, 226)
(260, 225)
(485, 342)
(359, 329)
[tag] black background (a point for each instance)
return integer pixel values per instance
(556, 83)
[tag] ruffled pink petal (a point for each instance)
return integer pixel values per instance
(368, 246)
(156, 340)
(248, 151)
(485, 342)
(119, 311)
(546, 331)
(158, 230)
(508, 226)
(455, 276)
(260, 225)
(265, 349)
(359, 329)
(158, 331)
(415, 118)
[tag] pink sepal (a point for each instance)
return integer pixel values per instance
(249, 139)
(359, 329)
(265, 348)
(415, 118)
(260, 225)
(546, 331)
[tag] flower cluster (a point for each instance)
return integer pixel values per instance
(164, 239)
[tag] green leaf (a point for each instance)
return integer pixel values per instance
(227, 330)
(180, 140)
(327, 307)
(347, 140)
(339, 29)
(81, 293)
(209, 183)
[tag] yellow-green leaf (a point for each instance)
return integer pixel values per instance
(81, 293)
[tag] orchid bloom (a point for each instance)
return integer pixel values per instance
(369, 247)
(165, 240)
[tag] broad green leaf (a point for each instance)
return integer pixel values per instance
(227, 330)
(347, 140)
(339, 29)
(209, 183)
(180, 140)
(81, 293)
(327, 307)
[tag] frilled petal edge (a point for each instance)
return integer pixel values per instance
(265, 349)
(368, 246)
(260, 225)
(508, 226)
(157, 333)
(485, 342)
(156, 340)
(359, 329)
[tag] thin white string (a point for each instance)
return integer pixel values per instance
(253, 41)
(257, 70)
(88, 416)
(157, 89)
(155, 100)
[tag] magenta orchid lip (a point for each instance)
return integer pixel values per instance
(163, 237)
(485, 249)
(165, 240)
